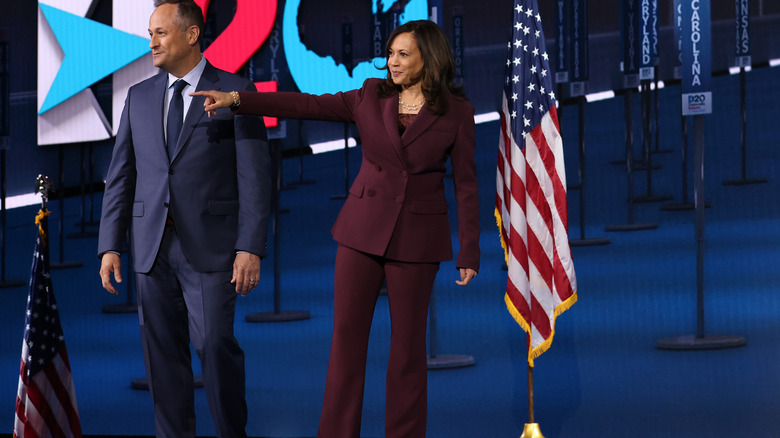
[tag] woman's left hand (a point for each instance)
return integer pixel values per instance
(466, 274)
(214, 100)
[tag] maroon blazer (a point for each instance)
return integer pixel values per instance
(396, 205)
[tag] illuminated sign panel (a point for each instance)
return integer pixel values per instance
(331, 77)
(74, 52)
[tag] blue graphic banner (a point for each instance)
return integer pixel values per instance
(92, 51)
(332, 77)
(696, 57)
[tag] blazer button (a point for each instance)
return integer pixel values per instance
(166, 204)
(404, 174)
(399, 199)
(378, 168)
(171, 172)
(370, 192)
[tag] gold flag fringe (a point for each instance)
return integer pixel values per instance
(39, 221)
(564, 306)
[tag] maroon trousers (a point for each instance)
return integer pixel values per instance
(358, 278)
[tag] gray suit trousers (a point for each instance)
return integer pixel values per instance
(178, 305)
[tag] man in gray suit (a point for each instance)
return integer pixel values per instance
(196, 190)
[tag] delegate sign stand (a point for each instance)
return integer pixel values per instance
(697, 102)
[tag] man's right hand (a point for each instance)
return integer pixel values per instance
(110, 263)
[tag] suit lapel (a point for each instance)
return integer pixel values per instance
(421, 123)
(208, 81)
(390, 117)
(156, 111)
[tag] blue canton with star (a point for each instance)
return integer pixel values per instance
(528, 85)
(43, 332)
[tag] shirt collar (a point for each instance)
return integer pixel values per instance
(193, 77)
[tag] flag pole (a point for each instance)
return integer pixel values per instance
(531, 429)
(531, 394)
(43, 185)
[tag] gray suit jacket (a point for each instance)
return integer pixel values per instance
(217, 188)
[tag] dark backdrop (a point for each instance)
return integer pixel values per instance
(486, 27)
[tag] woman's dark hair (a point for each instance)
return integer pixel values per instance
(188, 14)
(438, 65)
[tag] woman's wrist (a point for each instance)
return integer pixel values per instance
(236, 101)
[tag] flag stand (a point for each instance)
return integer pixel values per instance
(631, 226)
(699, 341)
(5, 128)
(62, 264)
(301, 152)
(346, 164)
(685, 204)
(584, 241)
(531, 429)
(631, 82)
(277, 315)
(648, 156)
(142, 383)
(744, 180)
(442, 361)
(3, 282)
(656, 92)
(559, 110)
(83, 233)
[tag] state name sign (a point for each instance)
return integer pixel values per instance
(743, 33)
(696, 58)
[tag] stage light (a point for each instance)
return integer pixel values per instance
(603, 95)
(487, 117)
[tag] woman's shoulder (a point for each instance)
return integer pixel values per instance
(460, 103)
(370, 84)
(373, 81)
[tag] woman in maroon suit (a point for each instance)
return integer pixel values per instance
(394, 224)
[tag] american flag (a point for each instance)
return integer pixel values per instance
(531, 188)
(46, 400)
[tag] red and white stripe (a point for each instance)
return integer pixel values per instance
(532, 216)
(46, 403)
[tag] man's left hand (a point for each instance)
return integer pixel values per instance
(246, 272)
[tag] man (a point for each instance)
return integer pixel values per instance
(196, 191)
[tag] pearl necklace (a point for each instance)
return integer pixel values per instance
(414, 107)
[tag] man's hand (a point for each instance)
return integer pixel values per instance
(466, 275)
(246, 272)
(110, 263)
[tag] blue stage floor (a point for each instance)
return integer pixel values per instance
(602, 377)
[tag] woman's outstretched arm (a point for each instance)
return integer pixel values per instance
(218, 99)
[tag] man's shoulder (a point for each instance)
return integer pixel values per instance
(233, 78)
(150, 81)
(146, 85)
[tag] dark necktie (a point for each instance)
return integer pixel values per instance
(175, 116)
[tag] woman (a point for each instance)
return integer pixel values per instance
(394, 224)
